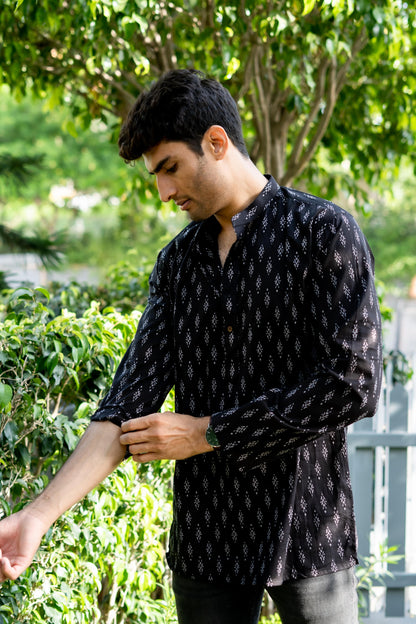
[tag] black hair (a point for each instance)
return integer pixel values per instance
(180, 106)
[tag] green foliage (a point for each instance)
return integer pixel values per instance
(37, 137)
(311, 77)
(82, 188)
(124, 288)
(373, 569)
(48, 248)
(391, 231)
(271, 619)
(19, 169)
(401, 370)
(38, 350)
(103, 561)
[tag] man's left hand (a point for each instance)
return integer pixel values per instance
(166, 435)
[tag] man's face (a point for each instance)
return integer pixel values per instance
(190, 180)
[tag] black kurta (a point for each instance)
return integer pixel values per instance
(282, 348)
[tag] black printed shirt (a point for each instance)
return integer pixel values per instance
(281, 347)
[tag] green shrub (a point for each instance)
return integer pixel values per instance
(124, 288)
(103, 561)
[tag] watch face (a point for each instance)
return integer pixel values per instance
(211, 437)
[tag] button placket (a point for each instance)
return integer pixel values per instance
(230, 310)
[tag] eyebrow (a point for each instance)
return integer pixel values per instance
(159, 165)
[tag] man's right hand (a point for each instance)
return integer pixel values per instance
(20, 536)
(95, 457)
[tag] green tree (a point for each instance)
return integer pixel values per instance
(318, 81)
(75, 169)
(391, 231)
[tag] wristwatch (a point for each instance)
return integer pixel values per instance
(211, 438)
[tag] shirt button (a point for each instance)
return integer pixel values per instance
(229, 329)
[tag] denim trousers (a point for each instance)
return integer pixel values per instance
(327, 599)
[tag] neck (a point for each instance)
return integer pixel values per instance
(246, 182)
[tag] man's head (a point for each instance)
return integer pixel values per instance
(180, 106)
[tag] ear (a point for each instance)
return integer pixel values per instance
(216, 141)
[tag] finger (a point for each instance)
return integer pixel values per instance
(140, 449)
(134, 437)
(143, 458)
(136, 424)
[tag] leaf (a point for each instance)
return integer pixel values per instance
(54, 614)
(22, 293)
(6, 394)
(5, 609)
(90, 64)
(309, 5)
(43, 291)
(70, 438)
(232, 67)
(297, 7)
(51, 362)
(69, 127)
(10, 432)
(23, 454)
(83, 410)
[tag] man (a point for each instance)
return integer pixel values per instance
(263, 315)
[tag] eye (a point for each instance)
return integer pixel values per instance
(172, 169)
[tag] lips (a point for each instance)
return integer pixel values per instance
(183, 205)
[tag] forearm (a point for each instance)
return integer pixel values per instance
(97, 454)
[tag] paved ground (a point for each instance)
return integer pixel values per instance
(28, 268)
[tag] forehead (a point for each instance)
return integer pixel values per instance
(164, 151)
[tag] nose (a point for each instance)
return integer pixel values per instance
(166, 187)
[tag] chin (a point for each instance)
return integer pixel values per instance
(195, 217)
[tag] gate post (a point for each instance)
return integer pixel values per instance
(396, 513)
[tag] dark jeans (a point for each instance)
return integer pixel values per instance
(328, 599)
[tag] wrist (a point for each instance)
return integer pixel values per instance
(41, 517)
(47, 507)
(202, 424)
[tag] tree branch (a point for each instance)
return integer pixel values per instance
(298, 166)
(280, 131)
(358, 45)
(208, 19)
(335, 82)
(315, 108)
(263, 108)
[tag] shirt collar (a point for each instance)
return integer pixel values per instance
(257, 207)
(211, 227)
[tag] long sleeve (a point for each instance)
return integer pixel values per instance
(344, 333)
(145, 374)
